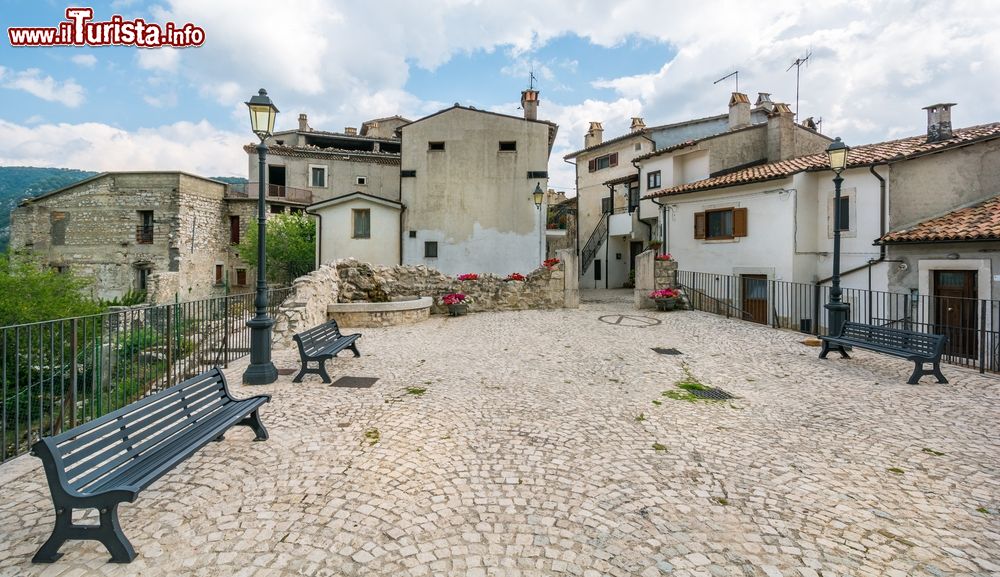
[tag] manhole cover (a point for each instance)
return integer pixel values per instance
(287, 371)
(712, 393)
(354, 382)
(667, 351)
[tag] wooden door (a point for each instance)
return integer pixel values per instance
(955, 311)
(753, 287)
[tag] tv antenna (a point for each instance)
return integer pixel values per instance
(736, 74)
(798, 68)
(531, 78)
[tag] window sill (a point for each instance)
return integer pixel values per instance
(720, 240)
(361, 238)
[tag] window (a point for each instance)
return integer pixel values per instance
(605, 205)
(60, 268)
(144, 232)
(720, 224)
(602, 162)
(845, 213)
(435, 146)
(430, 249)
(846, 210)
(241, 277)
(597, 269)
(277, 209)
(58, 230)
(317, 176)
(508, 145)
(413, 234)
(361, 180)
(234, 230)
(142, 277)
(653, 179)
(218, 274)
(362, 223)
(638, 146)
(633, 197)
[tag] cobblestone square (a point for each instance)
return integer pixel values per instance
(541, 443)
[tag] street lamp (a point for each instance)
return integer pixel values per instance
(261, 370)
(837, 308)
(538, 196)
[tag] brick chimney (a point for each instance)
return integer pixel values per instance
(739, 111)
(939, 121)
(529, 102)
(637, 124)
(764, 101)
(350, 131)
(304, 123)
(780, 133)
(594, 136)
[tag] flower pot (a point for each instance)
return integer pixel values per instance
(665, 304)
(458, 310)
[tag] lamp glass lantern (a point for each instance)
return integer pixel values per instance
(262, 114)
(837, 152)
(538, 195)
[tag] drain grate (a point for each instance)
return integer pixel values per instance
(667, 351)
(712, 393)
(354, 382)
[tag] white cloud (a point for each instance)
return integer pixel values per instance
(47, 88)
(85, 60)
(196, 147)
(159, 59)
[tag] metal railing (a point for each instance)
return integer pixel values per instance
(594, 243)
(60, 373)
(971, 325)
(274, 192)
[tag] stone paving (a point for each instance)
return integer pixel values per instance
(540, 443)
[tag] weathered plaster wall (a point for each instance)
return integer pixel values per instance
(382, 174)
(337, 233)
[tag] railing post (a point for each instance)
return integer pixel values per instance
(73, 374)
(170, 348)
(982, 336)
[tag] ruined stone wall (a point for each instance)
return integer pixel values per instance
(202, 238)
(306, 306)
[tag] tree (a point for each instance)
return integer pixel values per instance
(291, 247)
(31, 292)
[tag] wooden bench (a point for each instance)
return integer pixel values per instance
(913, 346)
(319, 344)
(109, 460)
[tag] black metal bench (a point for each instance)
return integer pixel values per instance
(321, 343)
(913, 346)
(109, 460)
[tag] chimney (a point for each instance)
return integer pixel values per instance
(350, 131)
(939, 121)
(810, 123)
(304, 123)
(780, 133)
(594, 136)
(529, 102)
(739, 111)
(637, 124)
(764, 101)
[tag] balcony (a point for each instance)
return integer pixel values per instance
(275, 192)
(620, 222)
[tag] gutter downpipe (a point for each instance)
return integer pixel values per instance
(576, 185)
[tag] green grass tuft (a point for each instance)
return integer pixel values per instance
(417, 391)
(932, 452)
(896, 470)
(640, 418)
(659, 447)
(373, 435)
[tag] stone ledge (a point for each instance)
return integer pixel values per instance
(369, 307)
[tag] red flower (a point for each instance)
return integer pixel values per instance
(550, 262)
(468, 276)
(667, 293)
(664, 256)
(515, 276)
(453, 298)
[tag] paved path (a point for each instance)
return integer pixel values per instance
(531, 452)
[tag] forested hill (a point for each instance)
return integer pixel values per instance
(20, 182)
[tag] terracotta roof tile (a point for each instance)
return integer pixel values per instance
(860, 156)
(978, 222)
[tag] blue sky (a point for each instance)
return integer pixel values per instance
(874, 65)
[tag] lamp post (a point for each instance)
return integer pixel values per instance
(538, 196)
(837, 308)
(261, 370)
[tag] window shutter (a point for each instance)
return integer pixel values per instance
(592, 165)
(699, 225)
(739, 222)
(613, 159)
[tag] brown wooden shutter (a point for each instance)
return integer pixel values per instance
(699, 225)
(739, 222)
(592, 165)
(613, 159)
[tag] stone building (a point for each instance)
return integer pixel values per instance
(165, 233)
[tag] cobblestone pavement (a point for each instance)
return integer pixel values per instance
(540, 443)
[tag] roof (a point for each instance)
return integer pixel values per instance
(351, 196)
(860, 156)
(472, 109)
(977, 222)
(312, 132)
(622, 179)
(28, 201)
(695, 141)
(344, 154)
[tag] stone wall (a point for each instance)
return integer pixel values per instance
(307, 304)
(650, 275)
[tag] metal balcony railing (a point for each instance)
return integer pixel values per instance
(275, 192)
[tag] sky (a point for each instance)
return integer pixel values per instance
(872, 66)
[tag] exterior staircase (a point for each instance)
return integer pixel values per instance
(594, 243)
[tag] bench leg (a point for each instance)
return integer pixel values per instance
(826, 348)
(354, 347)
(936, 371)
(253, 421)
(109, 533)
(302, 372)
(320, 370)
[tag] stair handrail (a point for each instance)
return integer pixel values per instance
(744, 315)
(593, 243)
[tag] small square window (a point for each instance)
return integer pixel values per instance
(317, 176)
(508, 145)
(435, 146)
(638, 146)
(241, 277)
(277, 209)
(653, 179)
(413, 234)
(361, 180)
(430, 249)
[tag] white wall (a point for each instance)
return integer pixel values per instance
(337, 227)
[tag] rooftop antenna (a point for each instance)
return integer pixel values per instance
(531, 78)
(798, 68)
(736, 74)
